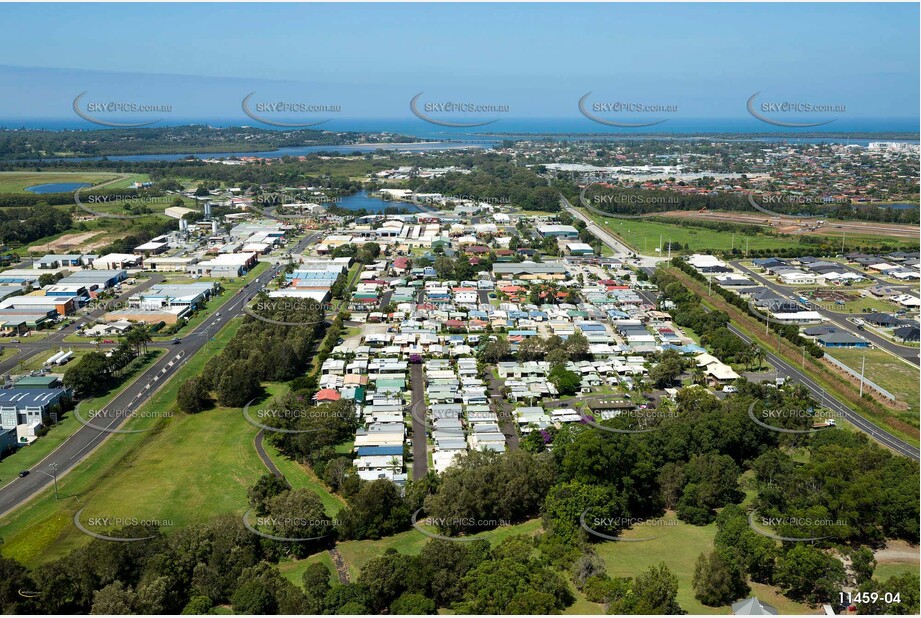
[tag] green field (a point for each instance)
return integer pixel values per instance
(885, 570)
(647, 236)
(895, 375)
(191, 468)
(678, 545)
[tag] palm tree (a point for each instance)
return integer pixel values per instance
(699, 376)
(757, 354)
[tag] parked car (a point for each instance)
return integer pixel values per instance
(23, 474)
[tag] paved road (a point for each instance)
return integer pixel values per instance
(260, 450)
(86, 439)
(420, 439)
(503, 410)
(838, 319)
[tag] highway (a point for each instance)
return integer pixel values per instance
(87, 439)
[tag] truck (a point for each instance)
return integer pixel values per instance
(828, 422)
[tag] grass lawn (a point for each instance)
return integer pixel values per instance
(645, 236)
(678, 546)
(293, 570)
(358, 553)
(16, 182)
(885, 570)
(191, 468)
(896, 376)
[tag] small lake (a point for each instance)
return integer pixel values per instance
(57, 187)
(360, 200)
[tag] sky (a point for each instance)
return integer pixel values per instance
(705, 60)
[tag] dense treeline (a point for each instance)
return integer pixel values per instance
(20, 226)
(262, 350)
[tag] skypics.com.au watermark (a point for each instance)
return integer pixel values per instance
(273, 112)
(309, 313)
(607, 527)
(810, 524)
(460, 525)
(268, 418)
(769, 417)
(771, 112)
(99, 527)
(100, 112)
(776, 200)
(451, 109)
(632, 199)
(283, 529)
(104, 419)
(618, 109)
(643, 417)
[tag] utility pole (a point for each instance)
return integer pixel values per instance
(863, 364)
(843, 236)
(803, 366)
(669, 249)
(710, 285)
(54, 474)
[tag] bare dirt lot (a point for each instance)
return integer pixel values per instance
(792, 225)
(69, 242)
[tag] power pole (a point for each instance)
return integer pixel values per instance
(54, 473)
(803, 366)
(863, 364)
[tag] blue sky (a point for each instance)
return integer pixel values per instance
(536, 58)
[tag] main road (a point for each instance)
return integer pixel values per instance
(106, 422)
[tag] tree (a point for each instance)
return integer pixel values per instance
(495, 351)
(237, 385)
(267, 487)
(577, 346)
(254, 597)
(385, 578)
(116, 598)
(89, 376)
(656, 591)
(299, 513)
(192, 396)
(587, 565)
(717, 582)
(668, 369)
(904, 587)
(567, 502)
(377, 510)
(806, 573)
(315, 581)
(556, 356)
(863, 564)
(566, 382)
(412, 604)
(198, 606)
